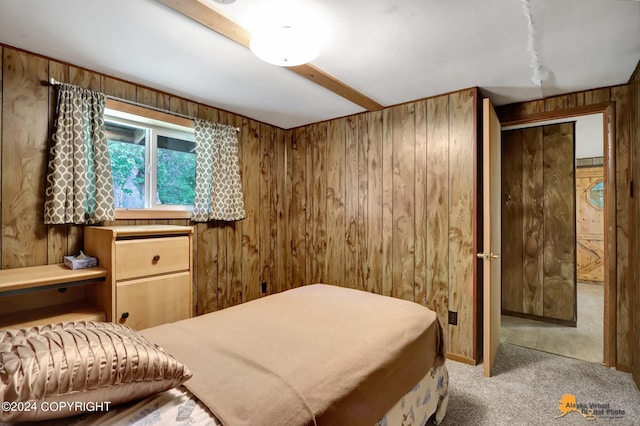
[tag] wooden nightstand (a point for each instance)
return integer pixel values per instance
(149, 272)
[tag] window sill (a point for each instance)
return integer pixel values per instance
(143, 214)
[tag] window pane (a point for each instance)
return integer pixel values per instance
(176, 159)
(126, 153)
(596, 195)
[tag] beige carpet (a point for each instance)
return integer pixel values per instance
(527, 387)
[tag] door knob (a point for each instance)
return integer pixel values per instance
(489, 256)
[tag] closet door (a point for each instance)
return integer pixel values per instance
(539, 223)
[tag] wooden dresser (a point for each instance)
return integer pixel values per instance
(149, 272)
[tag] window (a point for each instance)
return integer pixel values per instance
(596, 195)
(153, 162)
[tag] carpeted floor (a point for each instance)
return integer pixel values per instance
(527, 387)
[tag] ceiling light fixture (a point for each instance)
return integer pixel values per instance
(285, 45)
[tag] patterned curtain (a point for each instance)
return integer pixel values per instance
(218, 185)
(79, 186)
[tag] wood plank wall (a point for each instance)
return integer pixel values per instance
(381, 201)
(622, 96)
(388, 198)
(230, 259)
(538, 204)
(635, 224)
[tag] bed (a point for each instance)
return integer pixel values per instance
(318, 354)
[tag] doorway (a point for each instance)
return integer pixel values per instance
(589, 337)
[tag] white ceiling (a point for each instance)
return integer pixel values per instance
(392, 51)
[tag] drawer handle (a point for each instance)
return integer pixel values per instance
(125, 315)
(156, 258)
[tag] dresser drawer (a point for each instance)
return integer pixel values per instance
(148, 302)
(151, 256)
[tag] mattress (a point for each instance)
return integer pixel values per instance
(317, 354)
(427, 399)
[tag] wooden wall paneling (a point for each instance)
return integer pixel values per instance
(193, 107)
(532, 222)
(251, 157)
(223, 245)
(559, 222)
(85, 78)
(387, 202)
(437, 199)
(119, 88)
(56, 234)
(534, 107)
(298, 207)
(556, 103)
(319, 258)
(265, 222)
(362, 229)
(403, 201)
(310, 211)
(285, 194)
(273, 225)
(462, 160)
(420, 208)
(163, 101)
(233, 234)
(25, 104)
(336, 181)
(279, 188)
(374, 221)
(351, 202)
(512, 220)
(290, 202)
(635, 227)
(206, 275)
(597, 96)
(514, 111)
(622, 95)
(180, 106)
(147, 97)
(206, 243)
(227, 246)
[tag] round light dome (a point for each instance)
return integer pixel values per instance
(285, 46)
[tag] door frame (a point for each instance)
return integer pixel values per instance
(609, 137)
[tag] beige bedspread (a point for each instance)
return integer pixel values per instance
(317, 354)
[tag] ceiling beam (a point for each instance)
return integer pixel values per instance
(213, 19)
(315, 74)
